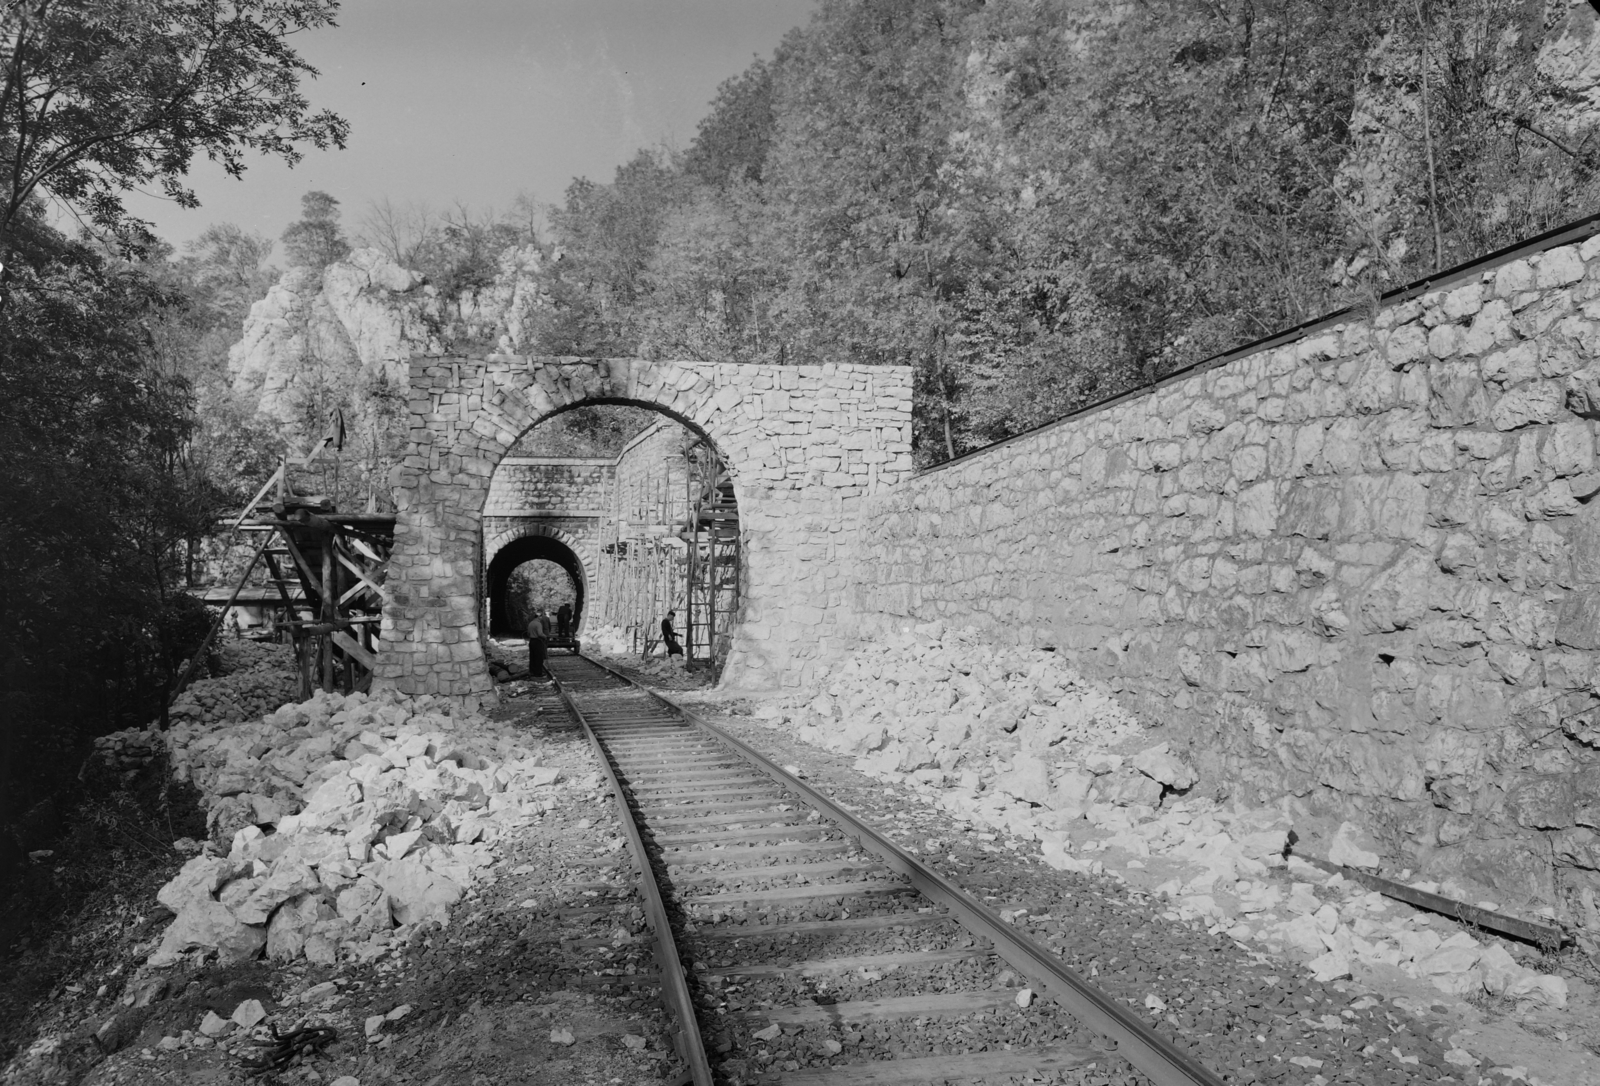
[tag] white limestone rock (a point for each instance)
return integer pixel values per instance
(197, 881)
(209, 924)
(1352, 847)
(1166, 768)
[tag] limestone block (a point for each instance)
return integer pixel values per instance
(197, 881)
(1463, 301)
(1457, 397)
(1353, 847)
(1540, 989)
(209, 924)
(1530, 404)
(1558, 267)
(288, 879)
(415, 893)
(1544, 801)
(1125, 787)
(1404, 345)
(1165, 768)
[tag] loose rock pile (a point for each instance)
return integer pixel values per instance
(345, 821)
(1004, 731)
(1016, 741)
(607, 640)
(256, 678)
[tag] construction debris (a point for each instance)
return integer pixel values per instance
(1015, 741)
(339, 820)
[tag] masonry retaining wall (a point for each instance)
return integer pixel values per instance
(1361, 568)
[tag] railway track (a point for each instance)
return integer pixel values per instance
(798, 946)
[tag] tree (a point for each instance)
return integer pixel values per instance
(101, 96)
(732, 142)
(317, 239)
(98, 494)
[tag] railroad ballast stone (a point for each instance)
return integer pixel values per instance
(341, 823)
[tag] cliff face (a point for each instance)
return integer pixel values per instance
(336, 336)
(340, 328)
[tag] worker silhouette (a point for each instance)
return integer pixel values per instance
(564, 620)
(670, 636)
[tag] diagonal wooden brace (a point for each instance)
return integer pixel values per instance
(363, 579)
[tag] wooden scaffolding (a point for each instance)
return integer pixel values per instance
(337, 560)
(674, 545)
(712, 534)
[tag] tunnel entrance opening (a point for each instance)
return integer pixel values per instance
(529, 572)
(647, 515)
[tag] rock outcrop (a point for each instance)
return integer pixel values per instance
(355, 324)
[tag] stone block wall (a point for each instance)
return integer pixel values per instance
(805, 445)
(1362, 568)
(531, 486)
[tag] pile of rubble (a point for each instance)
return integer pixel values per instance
(1015, 741)
(255, 678)
(1214, 864)
(998, 729)
(607, 641)
(339, 823)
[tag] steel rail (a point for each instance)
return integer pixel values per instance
(1547, 937)
(1158, 1058)
(674, 983)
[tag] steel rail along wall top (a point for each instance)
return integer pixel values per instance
(674, 984)
(1137, 1043)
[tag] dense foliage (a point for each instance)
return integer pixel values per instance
(1037, 203)
(100, 96)
(108, 476)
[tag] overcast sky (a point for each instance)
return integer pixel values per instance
(477, 100)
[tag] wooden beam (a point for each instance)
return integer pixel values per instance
(354, 650)
(361, 576)
(251, 504)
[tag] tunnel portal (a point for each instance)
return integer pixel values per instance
(529, 548)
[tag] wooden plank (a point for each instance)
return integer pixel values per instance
(362, 581)
(251, 504)
(659, 781)
(892, 1009)
(773, 819)
(660, 810)
(355, 650)
(666, 765)
(675, 858)
(823, 967)
(800, 893)
(668, 795)
(742, 835)
(821, 927)
(944, 1069)
(827, 868)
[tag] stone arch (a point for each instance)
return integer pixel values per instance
(507, 549)
(803, 445)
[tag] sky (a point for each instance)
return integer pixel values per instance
(479, 100)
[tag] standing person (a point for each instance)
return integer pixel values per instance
(564, 620)
(670, 636)
(538, 641)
